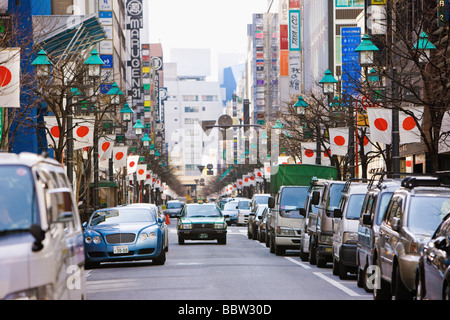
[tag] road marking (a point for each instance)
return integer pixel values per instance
(337, 284)
(297, 262)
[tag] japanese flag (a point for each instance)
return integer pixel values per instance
(259, 175)
(10, 78)
(338, 141)
(132, 162)
(105, 147)
(141, 172)
(148, 178)
(83, 132)
(308, 152)
(53, 131)
(380, 123)
(409, 131)
(444, 140)
(120, 157)
(364, 136)
(267, 170)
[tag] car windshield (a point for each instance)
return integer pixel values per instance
(426, 213)
(244, 205)
(334, 196)
(354, 206)
(173, 205)
(262, 199)
(18, 206)
(230, 206)
(292, 199)
(385, 197)
(201, 210)
(115, 216)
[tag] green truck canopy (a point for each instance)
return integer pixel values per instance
(299, 175)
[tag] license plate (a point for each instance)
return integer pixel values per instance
(328, 249)
(120, 249)
(203, 235)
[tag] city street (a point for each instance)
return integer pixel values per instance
(242, 269)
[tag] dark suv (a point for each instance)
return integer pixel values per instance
(412, 216)
(377, 198)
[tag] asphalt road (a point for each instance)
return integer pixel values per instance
(242, 269)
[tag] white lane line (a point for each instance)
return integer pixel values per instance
(301, 264)
(337, 284)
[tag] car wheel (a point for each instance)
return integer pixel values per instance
(400, 290)
(222, 241)
(312, 253)
(272, 244)
(384, 290)
(342, 270)
(335, 267)
(180, 240)
(161, 259)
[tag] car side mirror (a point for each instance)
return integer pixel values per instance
(337, 213)
(315, 197)
(271, 202)
(39, 236)
(395, 223)
(367, 219)
(302, 212)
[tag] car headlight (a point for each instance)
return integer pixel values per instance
(326, 239)
(44, 292)
(220, 225)
(143, 236)
(97, 239)
(186, 226)
(152, 235)
(88, 239)
(285, 232)
(350, 237)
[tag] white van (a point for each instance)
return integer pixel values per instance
(41, 238)
(345, 228)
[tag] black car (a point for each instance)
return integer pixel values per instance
(433, 272)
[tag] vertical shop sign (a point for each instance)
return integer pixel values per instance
(134, 13)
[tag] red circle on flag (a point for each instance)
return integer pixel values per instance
(409, 123)
(381, 124)
(105, 146)
(141, 171)
(82, 131)
(339, 140)
(55, 131)
(309, 153)
(5, 76)
(365, 141)
(119, 155)
(132, 163)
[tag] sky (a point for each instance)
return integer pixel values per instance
(220, 26)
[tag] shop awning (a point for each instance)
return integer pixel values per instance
(61, 36)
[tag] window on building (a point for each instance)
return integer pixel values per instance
(209, 98)
(349, 3)
(190, 98)
(191, 109)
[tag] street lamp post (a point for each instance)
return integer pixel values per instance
(94, 62)
(328, 83)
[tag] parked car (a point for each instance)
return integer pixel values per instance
(259, 198)
(124, 233)
(412, 216)
(173, 208)
(201, 222)
(243, 211)
(320, 227)
(262, 225)
(285, 219)
(433, 271)
(316, 185)
(345, 228)
(253, 221)
(39, 226)
(158, 215)
(230, 212)
(377, 198)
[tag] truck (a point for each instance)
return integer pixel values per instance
(289, 186)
